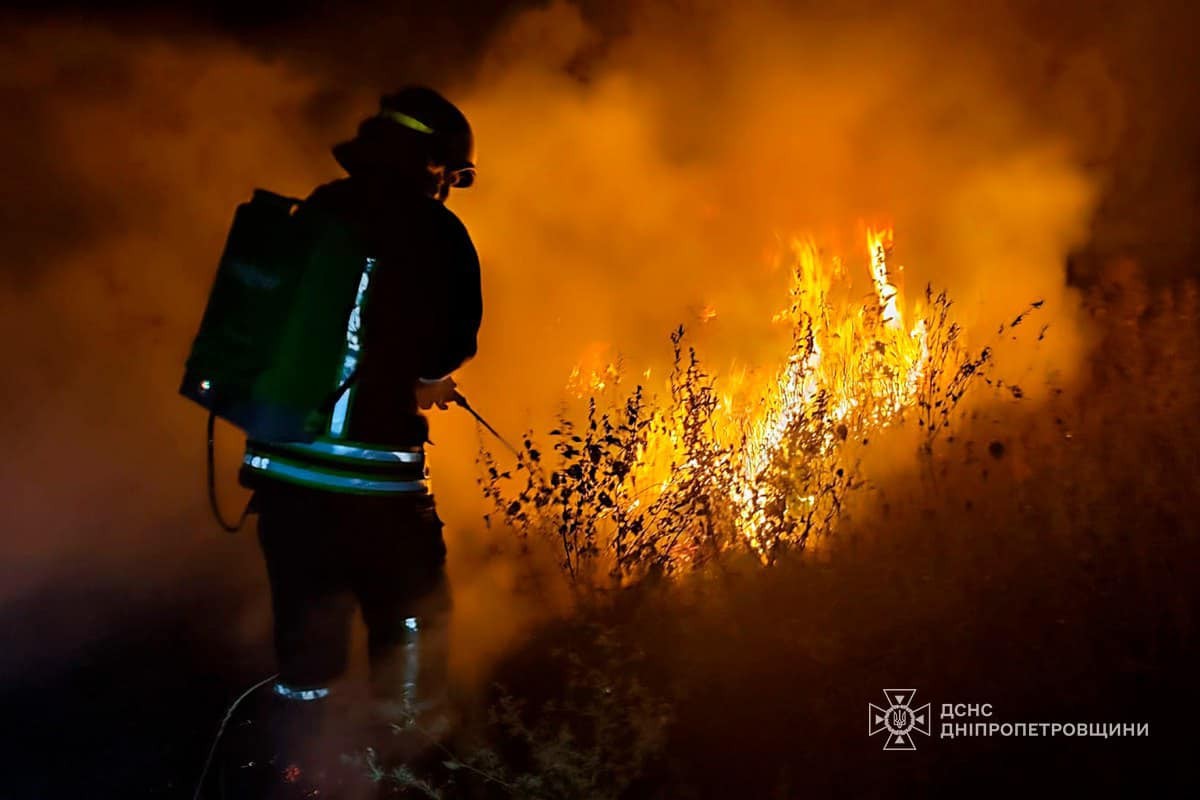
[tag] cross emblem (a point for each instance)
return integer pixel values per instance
(899, 719)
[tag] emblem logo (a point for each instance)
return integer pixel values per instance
(899, 719)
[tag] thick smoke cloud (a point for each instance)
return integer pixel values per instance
(629, 186)
(635, 168)
(116, 208)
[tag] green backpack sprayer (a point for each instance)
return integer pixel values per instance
(268, 353)
(269, 344)
(277, 349)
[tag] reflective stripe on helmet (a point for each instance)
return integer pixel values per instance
(405, 120)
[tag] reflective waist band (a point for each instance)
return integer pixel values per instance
(351, 452)
(348, 468)
(283, 690)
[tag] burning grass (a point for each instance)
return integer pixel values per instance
(646, 484)
(1042, 558)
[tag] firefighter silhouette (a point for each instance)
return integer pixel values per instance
(345, 515)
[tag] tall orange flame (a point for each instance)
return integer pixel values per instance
(853, 365)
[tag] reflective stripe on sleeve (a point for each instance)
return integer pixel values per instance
(341, 409)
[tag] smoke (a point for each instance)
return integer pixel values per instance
(636, 167)
(122, 181)
(626, 184)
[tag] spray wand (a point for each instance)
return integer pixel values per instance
(461, 401)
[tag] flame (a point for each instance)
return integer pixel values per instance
(879, 245)
(853, 366)
(597, 370)
(847, 359)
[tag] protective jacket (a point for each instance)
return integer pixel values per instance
(416, 315)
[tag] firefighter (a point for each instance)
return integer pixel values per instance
(348, 519)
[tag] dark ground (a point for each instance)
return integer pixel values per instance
(132, 713)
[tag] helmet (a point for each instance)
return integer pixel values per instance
(415, 124)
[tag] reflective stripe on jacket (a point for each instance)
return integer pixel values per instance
(331, 462)
(338, 466)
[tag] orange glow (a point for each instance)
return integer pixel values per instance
(853, 366)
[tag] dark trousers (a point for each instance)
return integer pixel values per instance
(324, 553)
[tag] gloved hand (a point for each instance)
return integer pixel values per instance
(435, 393)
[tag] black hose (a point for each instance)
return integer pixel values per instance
(462, 403)
(212, 486)
(224, 723)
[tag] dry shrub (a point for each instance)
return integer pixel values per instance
(647, 485)
(1043, 558)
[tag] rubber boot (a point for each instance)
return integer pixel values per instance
(412, 710)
